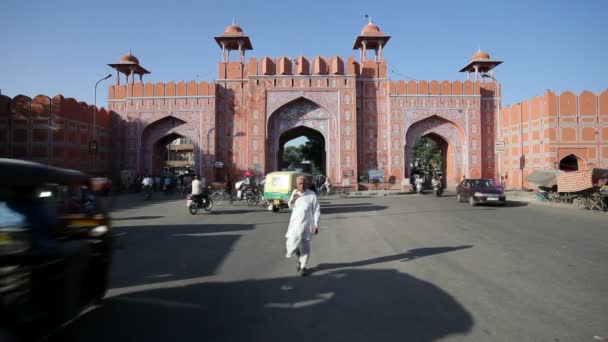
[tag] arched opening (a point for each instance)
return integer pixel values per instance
(168, 144)
(571, 162)
(429, 157)
(308, 155)
(445, 138)
(174, 154)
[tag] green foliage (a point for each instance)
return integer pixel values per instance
(313, 151)
(427, 151)
(291, 155)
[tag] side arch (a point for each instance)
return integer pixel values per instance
(456, 154)
(160, 129)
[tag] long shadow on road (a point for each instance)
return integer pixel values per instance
(349, 305)
(407, 256)
(172, 251)
(345, 208)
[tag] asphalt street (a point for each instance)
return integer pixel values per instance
(399, 268)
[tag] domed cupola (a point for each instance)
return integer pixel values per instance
(233, 38)
(129, 65)
(371, 38)
(480, 63)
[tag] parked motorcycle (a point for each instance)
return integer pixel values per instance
(194, 203)
(419, 185)
(438, 189)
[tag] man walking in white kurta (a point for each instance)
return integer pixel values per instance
(303, 224)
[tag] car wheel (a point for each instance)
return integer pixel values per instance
(472, 201)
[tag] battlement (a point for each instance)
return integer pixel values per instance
(567, 105)
(301, 66)
(161, 89)
(435, 87)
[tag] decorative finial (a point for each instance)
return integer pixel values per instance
(130, 52)
(369, 19)
(233, 21)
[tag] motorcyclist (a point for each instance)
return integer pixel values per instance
(436, 182)
(419, 183)
(147, 186)
(147, 181)
(437, 185)
(198, 191)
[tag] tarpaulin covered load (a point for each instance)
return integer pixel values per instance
(600, 173)
(543, 177)
(574, 181)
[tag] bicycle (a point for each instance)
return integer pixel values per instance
(324, 190)
(221, 195)
(344, 192)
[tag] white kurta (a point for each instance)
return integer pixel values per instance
(305, 215)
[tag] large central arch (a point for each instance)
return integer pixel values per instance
(437, 128)
(160, 130)
(309, 133)
(299, 115)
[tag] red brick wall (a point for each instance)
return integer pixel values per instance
(54, 131)
(548, 128)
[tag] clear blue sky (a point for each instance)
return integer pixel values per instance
(52, 47)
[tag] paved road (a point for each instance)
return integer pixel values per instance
(402, 268)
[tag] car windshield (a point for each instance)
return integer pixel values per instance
(481, 183)
(9, 217)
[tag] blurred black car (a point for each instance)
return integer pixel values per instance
(56, 246)
(480, 190)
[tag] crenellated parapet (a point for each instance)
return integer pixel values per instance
(161, 90)
(56, 131)
(435, 87)
(301, 66)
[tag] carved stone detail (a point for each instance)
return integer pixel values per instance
(329, 100)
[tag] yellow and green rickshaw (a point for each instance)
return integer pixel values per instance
(279, 185)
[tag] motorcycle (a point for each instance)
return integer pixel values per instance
(245, 192)
(438, 189)
(419, 187)
(147, 192)
(194, 203)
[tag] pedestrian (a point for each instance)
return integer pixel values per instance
(229, 187)
(303, 224)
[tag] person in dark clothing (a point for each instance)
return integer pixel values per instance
(229, 186)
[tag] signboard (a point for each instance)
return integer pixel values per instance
(347, 173)
(499, 146)
(219, 165)
(376, 174)
(93, 146)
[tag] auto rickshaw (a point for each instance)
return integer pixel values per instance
(56, 246)
(279, 186)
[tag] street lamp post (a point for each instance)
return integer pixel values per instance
(93, 146)
(95, 107)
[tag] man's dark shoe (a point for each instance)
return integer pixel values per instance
(304, 272)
